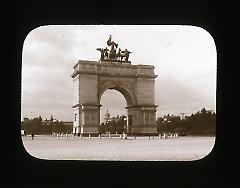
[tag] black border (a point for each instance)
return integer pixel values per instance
(21, 169)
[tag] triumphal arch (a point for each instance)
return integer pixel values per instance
(113, 71)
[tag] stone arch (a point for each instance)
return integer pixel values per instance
(126, 92)
(135, 82)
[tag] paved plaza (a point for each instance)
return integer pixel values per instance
(185, 148)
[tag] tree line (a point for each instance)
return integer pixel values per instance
(37, 126)
(201, 123)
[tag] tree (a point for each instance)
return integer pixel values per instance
(114, 125)
(201, 123)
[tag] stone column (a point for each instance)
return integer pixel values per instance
(90, 118)
(86, 108)
(143, 119)
(145, 109)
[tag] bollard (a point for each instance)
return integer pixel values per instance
(80, 135)
(89, 135)
(135, 137)
(99, 136)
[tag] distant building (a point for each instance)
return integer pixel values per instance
(47, 122)
(114, 119)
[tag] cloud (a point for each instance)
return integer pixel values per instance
(184, 59)
(178, 95)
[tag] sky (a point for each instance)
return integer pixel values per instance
(184, 57)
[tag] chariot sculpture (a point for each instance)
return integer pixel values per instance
(112, 54)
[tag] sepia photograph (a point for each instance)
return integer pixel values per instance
(119, 92)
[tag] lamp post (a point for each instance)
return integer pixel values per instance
(125, 125)
(169, 125)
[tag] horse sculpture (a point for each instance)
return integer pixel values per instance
(123, 54)
(104, 53)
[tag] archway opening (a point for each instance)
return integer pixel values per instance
(113, 114)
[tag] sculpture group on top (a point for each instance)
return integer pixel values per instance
(112, 54)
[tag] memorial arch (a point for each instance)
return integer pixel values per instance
(113, 71)
(135, 82)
